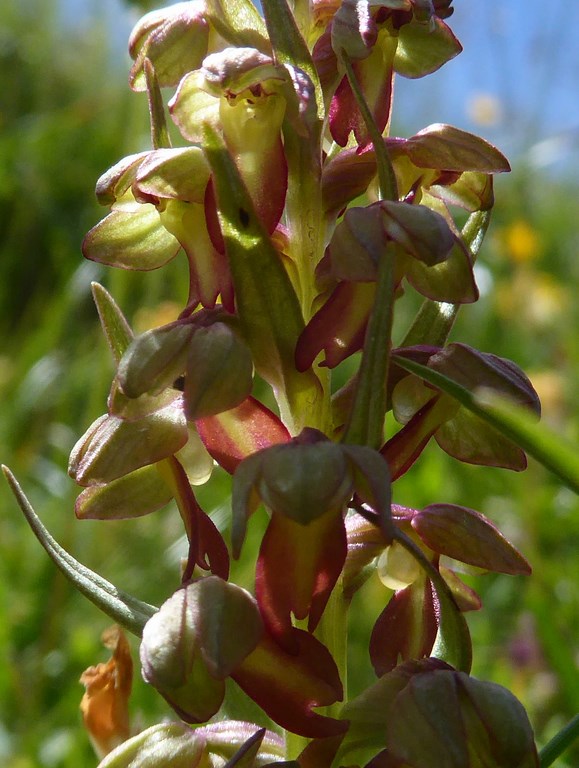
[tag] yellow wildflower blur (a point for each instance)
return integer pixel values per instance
(484, 109)
(147, 318)
(532, 298)
(523, 243)
(104, 706)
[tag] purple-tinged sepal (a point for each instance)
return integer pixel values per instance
(240, 90)
(306, 484)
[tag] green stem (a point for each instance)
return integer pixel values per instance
(366, 421)
(386, 177)
(453, 643)
(332, 632)
(559, 743)
(159, 132)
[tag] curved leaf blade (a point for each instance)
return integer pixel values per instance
(126, 610)
(514, 422)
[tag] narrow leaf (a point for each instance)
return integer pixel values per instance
(515, 423)
(559, 743)
(126, 610)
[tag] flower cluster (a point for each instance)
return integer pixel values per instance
(304, 222)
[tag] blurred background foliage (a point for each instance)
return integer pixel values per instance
(66, 115)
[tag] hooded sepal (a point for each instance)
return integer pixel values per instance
(424, 46)
(242, 744)
(158, 201)
(361, 237)
(114, 446)
(172, 745)
(176, 745)
(216, 363)
(219, 373)
(131, 239)
(156, 359)
(429, 162)
(133, 495)
(175, 181)
(369, 712)
(475, 721)
(239, 91)
(379, 39)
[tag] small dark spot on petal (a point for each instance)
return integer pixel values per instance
(179, 383)
(243, 217)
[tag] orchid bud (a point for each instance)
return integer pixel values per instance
(425, 714)
(174, 39)
(197, 638)
(219, 372)
(171, 745)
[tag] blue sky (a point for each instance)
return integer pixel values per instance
(519, 70)
(523, 58)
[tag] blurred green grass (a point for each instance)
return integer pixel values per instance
(65, 116)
